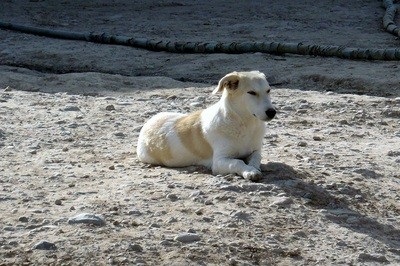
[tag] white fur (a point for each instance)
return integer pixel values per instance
(233, 127)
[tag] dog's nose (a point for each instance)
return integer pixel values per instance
(270, 113)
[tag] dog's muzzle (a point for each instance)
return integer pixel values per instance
(270, 113)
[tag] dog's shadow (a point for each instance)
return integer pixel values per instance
(298, 184)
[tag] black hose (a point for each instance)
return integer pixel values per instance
(230, 48)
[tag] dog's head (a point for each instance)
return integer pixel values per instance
(250, 91)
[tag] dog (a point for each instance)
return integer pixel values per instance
(226, 137)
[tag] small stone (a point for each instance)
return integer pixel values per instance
(301, 111)
(302, 144)
(172, 220)
(208, 202)
(372, 257)
(240, 215)
(45, 245)
(154, 225)
(393, 153)
(57, 202)
(196, 104)
(172, 97)
(300, 234)
(112, 167)
(208, 219)
(287, 108)
(166, 242)
(124, 103)
(110, 107)
(199, 211)
(233, 262)
(317, 138)
(233, 188)
(87, 218)
(281, 201)
(120, 134)
(172, 197)
(23, 219)
(70, 108)
(135, 247)
(187, 238)
(134, 212)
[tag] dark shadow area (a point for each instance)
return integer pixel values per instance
(295, 184)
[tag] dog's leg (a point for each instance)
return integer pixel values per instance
(229, 166)
(254, 159)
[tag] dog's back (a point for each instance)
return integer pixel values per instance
(174, 140)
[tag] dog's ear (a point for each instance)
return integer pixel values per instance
(230, 81)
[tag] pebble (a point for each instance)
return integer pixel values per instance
(257, 187)
(154, 225)
(233, 188)
(134, 212)
(110, 107)
(166, 242)
(187, 237)
(364, 257)
(172, 220)
(393, 153)
(120, 134)
(124, 103)
(302, 144)
(87, 218)
(240, 215)
(196, 104)
(287, 108)
(70, 108)
(57, 202)
(45, 245)
(281, 201)
(23, 219)
(317, 138)
(135, 247)
(199, 211)
(300, 234)
(172, 197)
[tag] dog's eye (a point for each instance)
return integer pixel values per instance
(252, 93)
(269, 90)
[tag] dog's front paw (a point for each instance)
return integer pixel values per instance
(252, 175)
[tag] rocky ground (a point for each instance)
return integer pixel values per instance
(73, 193)
(329, 194)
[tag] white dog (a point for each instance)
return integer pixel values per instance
(227, 136)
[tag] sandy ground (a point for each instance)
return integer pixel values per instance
(70, 114)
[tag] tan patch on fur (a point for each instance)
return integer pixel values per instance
(190, 133)
(158, 147)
